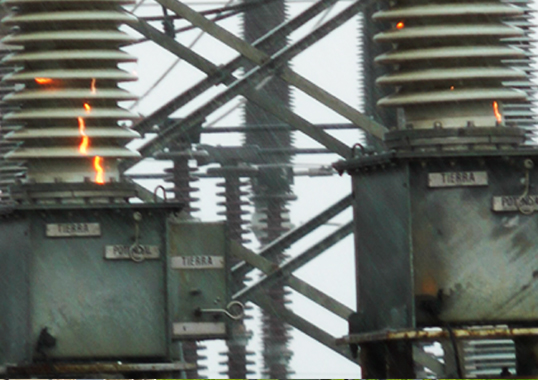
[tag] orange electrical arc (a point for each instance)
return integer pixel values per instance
(83, 147)
(43, 80)
(400, 25)
(497, 113)
(99, 171)
(87, 107)
(93, 89)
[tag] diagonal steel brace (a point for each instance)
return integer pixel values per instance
(293, 282)
(282, 272)
(303, 325)
(290, 237)
(241, 87)
(222, 75)
(277, 61)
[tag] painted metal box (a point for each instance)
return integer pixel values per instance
(446, 237)
(92, 282)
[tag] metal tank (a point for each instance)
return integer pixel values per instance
(92, 283)
(445, 218)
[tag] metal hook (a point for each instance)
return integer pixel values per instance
(227, 311)
(155, 194)
(354, 149)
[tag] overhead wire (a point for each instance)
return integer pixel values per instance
(243, 101)
(166, 72)
(231, 11)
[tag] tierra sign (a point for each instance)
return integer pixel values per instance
(457, 179)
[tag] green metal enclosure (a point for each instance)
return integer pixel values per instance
(446, 238)
(103, 283)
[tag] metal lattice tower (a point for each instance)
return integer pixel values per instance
(68, 113)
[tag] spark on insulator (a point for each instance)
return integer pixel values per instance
(451, 88)
(43, 80)
(87, 107)
(83, 147)
(99, 171)
(93, 87)
(497, 113)
(400, 25)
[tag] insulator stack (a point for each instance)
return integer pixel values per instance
(191, 354)
(234, 194)
(182, 176)
(488, 357)
(276, 353)
(369, 72)
(234, 202)
(272, 196)
(68, 117)
(258, 22)
(8, 171)
(522, 113)
(449, 68)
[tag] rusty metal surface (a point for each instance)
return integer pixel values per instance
(483, 263)
(87, 368)
(439, 334)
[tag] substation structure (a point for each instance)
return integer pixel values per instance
(443, 195)
(83, 266)
(444, 217)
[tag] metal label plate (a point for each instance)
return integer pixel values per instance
(198, 262)
(135, 253)
(456, 179)
(73, 229)
(515, 203)
(198, 329)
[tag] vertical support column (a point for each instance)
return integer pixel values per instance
(270, 197)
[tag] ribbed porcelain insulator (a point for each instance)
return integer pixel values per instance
(68, 112)
(449, 62)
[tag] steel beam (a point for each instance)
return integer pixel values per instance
(223, 74)
(241, 87)
(284, 271)
(436, 335)
(176, 48)
(302, 325)
(293, 282)
(263, 59)
(238, 87)
(296, 234)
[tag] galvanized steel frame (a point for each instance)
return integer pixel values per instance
(268, 66)
(284, 273)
